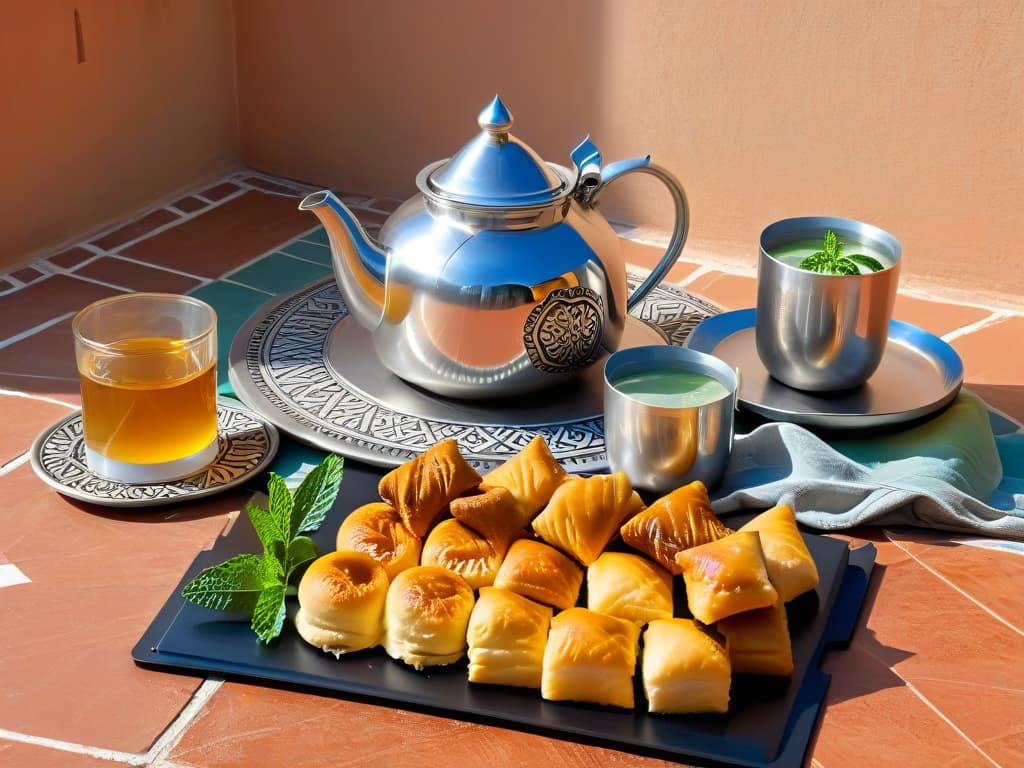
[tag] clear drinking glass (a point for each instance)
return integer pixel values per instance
(147, 363)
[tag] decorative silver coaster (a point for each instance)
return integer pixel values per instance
(309, 368)
(247, 443)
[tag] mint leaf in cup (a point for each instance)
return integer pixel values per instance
(831, 261)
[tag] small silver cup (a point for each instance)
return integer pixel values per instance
(661, 447)
(822, 332)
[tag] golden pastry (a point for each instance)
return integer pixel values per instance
(377, 529)
(507, 635)
(590, 657)
(585, 513)
(630, 587)
(493, 513)
(452, 545)
(421, 489)
(341, 602)
(425, 616)
(540, 572)
(685, 668)
(790, 565)
(531, 476)
(759, 642)
(726, 576)
(677, 521)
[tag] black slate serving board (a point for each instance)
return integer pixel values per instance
(770, 721)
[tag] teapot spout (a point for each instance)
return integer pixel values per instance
(360, 264)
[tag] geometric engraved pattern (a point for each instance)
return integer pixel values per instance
(284, 362)
(563, 332)
(246, 444)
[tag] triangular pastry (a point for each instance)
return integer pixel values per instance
(531, 476)
(540, 572)
(493, 513)
(790, 565)
(422, 488)
(585, 513)
(454, 546)
(759, 642)
(677, 521)
(630, 587)
(726, 576)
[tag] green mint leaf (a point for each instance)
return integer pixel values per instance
(281, 505)
(316, 494)
(234, 585)
(268, 615)
(843, 266)
(270, 533)
(272, 568)
(866, 261)
(816, 262)
(301, 550)
(831, 245)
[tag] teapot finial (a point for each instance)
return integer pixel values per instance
(495, 118)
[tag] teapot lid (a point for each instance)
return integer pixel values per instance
(494, 170)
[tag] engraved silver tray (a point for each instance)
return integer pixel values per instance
(279, 366)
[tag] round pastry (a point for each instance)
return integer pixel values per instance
(341, 602)
(426, 616)
(376, 529)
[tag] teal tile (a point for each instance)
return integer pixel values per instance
(318, 235)
(315, 252)
(1002, 425)
(234, 305)
(279, 273)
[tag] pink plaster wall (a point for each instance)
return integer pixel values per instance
(904, 114)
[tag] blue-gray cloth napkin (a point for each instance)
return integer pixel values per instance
(950, 473)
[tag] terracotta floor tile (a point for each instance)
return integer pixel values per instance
(989, 717)
(42, 364)
(994, 364)
(935, 316)
(135, 229)
(97, 580)
(72, 257)
(862, 695)
(33, 416)
(986, 575)
(942, 633)
(244, 726)
(132, 276)
(272, 186)
(19, 755)
(729, 291)
(189, 204)
(385, 204)
(219, 191)
(225, 237)
(45, 300)
(28, 275)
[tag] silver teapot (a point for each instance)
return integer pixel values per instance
(501, 276)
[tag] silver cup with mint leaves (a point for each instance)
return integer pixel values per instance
(825, 293)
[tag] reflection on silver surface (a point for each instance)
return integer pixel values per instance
(659, 447)
(501, 276)
(823, 332)
(918, 375)
(277, 366)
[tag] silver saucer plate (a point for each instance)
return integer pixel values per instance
(278, 366)
(919, 375)
(247, 444)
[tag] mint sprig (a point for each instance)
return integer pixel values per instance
(256, 585)
(830, 260)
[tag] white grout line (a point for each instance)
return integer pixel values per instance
(951, 585)
(995, 318)
(927, 702)
(14, 463)
(16, 393)
(155, 756)
(31, 331)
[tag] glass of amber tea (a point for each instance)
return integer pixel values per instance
(147, 363)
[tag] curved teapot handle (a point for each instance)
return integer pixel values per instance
(613, 171)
